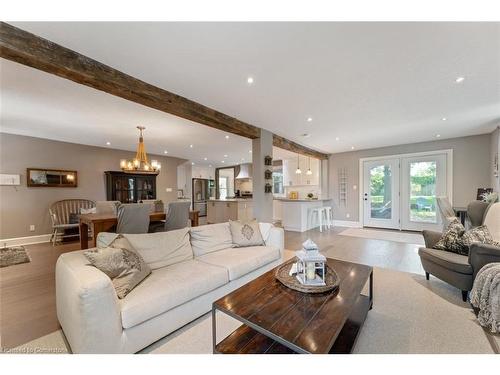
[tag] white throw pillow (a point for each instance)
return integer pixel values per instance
(209, 238)
(84, 211)
(246, 233)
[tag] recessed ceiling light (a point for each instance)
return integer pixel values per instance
(191, 146)
(227, 137)
(352, 147)
(225, 156)
(210, 166)
(250, 151)
(309, 119)
(459, 79)
(222, 161)
(438, 135)
(165, 152)
(337, 138)
(242, 159)
(306, 135)
(444, 119)
(250, 80)
(192, 163)
(108, 143)
(205, 158)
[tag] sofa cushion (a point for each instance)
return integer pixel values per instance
(209, 238)
(163, 248)
(245, 233)
(169, 287)
(242, 260)
(492, 220)
(452, 261)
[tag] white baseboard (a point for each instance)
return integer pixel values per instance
(25, 240)
(347, 223)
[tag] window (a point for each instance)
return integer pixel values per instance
(222, 187)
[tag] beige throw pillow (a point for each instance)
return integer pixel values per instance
(125, 267)
(246, 233)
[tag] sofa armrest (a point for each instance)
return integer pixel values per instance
(431, 238)
(276, 238)
(87, 306)
(481, 254)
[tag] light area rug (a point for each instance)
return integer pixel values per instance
(410, 315)
(387, 235)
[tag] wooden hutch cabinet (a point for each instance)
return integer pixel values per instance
(130, 187)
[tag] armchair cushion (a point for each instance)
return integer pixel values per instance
(479, 234)
(454, 262)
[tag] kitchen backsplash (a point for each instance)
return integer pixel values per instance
(244, 185)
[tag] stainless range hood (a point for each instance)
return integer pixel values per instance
(245, 171)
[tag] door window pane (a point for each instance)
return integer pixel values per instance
(381, 192)
(423, 192)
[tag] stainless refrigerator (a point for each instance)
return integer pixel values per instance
(202, 189)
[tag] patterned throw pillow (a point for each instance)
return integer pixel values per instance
(478, 234)
(246, 233)
(125, 267)
(451, 238)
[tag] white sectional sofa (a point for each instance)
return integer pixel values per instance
(188, 274)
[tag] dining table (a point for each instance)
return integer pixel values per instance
(107, 222)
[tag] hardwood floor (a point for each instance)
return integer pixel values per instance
(27, 291)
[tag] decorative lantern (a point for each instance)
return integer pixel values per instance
(311, 268)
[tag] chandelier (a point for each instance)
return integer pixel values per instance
(140, 163)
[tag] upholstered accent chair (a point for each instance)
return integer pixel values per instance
(460, 270)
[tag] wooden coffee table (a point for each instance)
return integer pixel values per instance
(277, 319)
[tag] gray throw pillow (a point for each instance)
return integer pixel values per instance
(451, 238)
(246, 233)
(125, 267)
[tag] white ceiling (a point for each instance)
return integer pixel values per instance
(42, 105)
(370, 84)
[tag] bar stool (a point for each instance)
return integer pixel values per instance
(319, 212)
(329, 216)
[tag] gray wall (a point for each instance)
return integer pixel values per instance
(495, 152)
(471, 161)
(21, 206)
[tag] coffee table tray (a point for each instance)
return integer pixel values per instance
(283, 276)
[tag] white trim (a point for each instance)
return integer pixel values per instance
(25, 240)
(347, 223)
(449, 174)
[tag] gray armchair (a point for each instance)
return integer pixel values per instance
(459, 270)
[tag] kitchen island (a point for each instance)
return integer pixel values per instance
(295, 213)
(223, 210)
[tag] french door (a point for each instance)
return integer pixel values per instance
(400, 192)
(381, 193)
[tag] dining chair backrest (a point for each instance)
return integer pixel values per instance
(177, 215)
(60, 211)
(133, 218)
(446, 210)
(107, 207)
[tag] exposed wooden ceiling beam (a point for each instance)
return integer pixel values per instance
(31, 50)
(284, 143)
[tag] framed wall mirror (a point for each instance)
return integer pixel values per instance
(38, 177)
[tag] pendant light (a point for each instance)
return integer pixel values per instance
(140, 163)
(309, 172)
(298, 171)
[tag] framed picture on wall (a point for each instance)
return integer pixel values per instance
(180, 193)
(38, 177)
